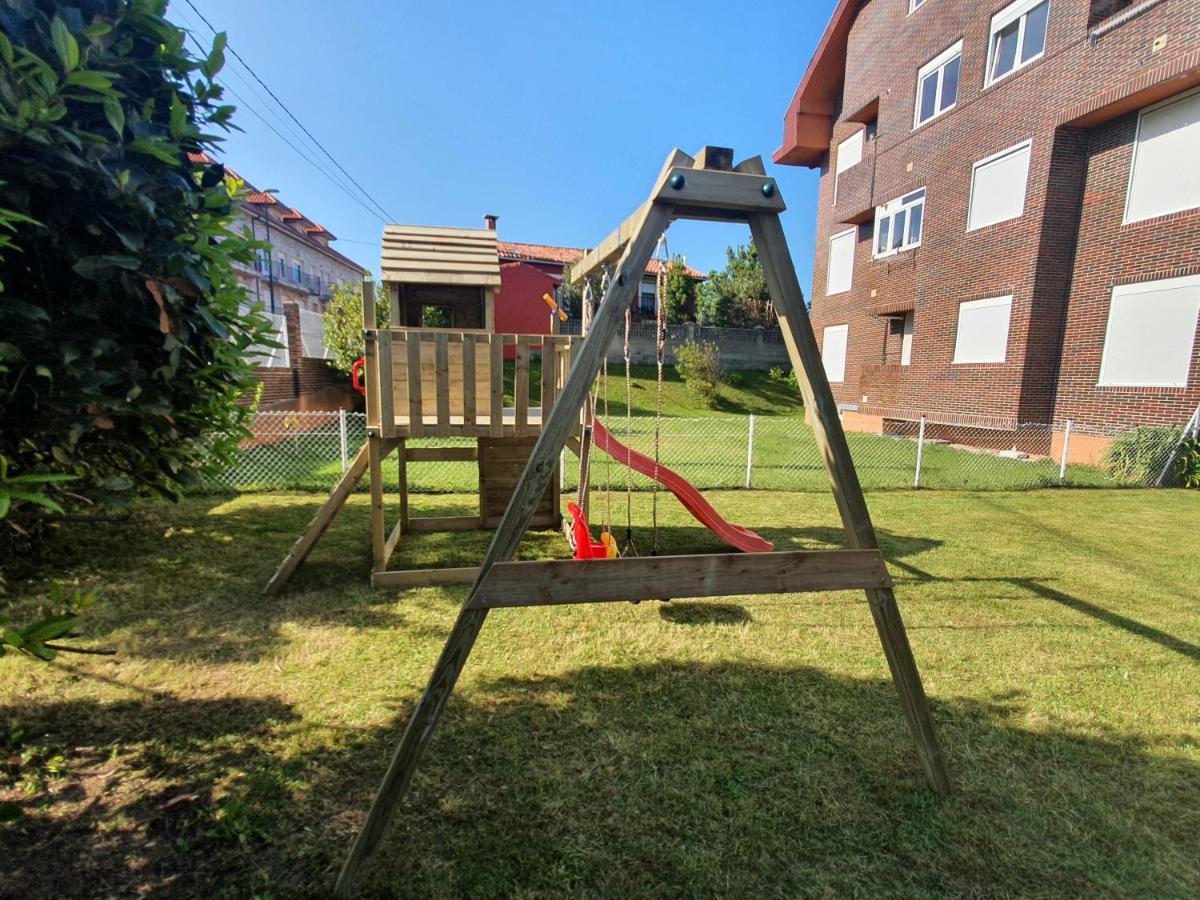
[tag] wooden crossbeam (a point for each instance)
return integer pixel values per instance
(563, 581)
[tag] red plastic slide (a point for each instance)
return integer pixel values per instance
(734, 535)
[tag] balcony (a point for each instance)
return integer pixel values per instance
(293, 275)
(856, 190)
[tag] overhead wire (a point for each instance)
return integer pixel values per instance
(379, 211)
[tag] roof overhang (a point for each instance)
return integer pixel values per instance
(808, 123)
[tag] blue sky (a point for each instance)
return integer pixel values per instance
(555, 116)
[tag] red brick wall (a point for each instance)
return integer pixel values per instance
(306, 383)
(1111, 253)
(1033, 258)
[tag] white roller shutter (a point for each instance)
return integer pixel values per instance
(839, 274)
(982, 330)
(1165, 176)
(833, 352)
(998, 187)
(1151, 329)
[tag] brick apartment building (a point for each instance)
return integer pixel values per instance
(1009, 214)
(293, 283)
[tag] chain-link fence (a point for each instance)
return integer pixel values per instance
(310, 450)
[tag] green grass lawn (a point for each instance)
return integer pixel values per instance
(752, 392)
(748, 746)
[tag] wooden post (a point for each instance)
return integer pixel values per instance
(843, 479)
(507, 538)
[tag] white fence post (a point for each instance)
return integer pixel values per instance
(920, 452)
(343, 447)
(1062, 466)
(750, 453)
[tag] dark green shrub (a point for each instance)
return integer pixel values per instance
(122, 347)
(699, 365)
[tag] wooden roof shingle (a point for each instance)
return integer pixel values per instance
(426, 254)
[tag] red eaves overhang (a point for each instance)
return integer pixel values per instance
(808, 123)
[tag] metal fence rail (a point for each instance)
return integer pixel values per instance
(310, 450)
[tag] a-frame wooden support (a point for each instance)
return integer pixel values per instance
(682, 191)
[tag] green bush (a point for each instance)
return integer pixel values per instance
(122, 343)
(1187, 464)
(344, 323)
(1139, 455)
(699, 364)
(777, 374)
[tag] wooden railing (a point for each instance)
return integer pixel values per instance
(438, 382)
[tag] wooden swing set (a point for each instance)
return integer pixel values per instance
(707, 187)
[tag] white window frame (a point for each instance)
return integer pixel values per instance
(1137, 139)
(890, 211)
(982, 303)
(1146, 287)
(843, 329)
(936, 68)
(853, 233)
(914, 5)
(906, 338)
(996, 157)
(1014, 11)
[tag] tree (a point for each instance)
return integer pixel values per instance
(681, 291)
(344, 322)
(737, 296)
(123, 333)
(569, 296)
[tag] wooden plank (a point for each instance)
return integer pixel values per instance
(549, 375)
(722, 190)
(468, 379)
(752, 165)
(374, 383)
(468, 279)
(560, 581)
(437, 231)
(843, 479)
(485, 255)
(416, 417)
(521, 384)
(414, 578)
(387, 413)
(320, 522)
(442, 454)
(496, 405)
(482, 267)
(393, 540)
(402, 454)
(377, 450)
(505, 541)
(442, 362)
(443, 523)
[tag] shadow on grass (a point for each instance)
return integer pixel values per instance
(705, 613)
(1039, 588)
(727, 779)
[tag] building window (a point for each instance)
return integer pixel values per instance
(982, 330)
(898, 224)
(914, 5)
(646, 303)
(833, 352)
(906, 340)
(1164, 177)
(998, 187)
(839, 273)
(937, 84)
(849, 154)
(1151, 329)
(1018, 37)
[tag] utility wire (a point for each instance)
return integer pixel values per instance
(388, 217)
(308, 159)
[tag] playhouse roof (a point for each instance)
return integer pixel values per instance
(425, 254)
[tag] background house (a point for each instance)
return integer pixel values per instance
(293, 281)
(1008, 228)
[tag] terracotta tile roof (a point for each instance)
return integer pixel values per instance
(562, 255)
(292, 215)
(262, 199)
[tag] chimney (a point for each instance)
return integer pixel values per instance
(490, 221)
